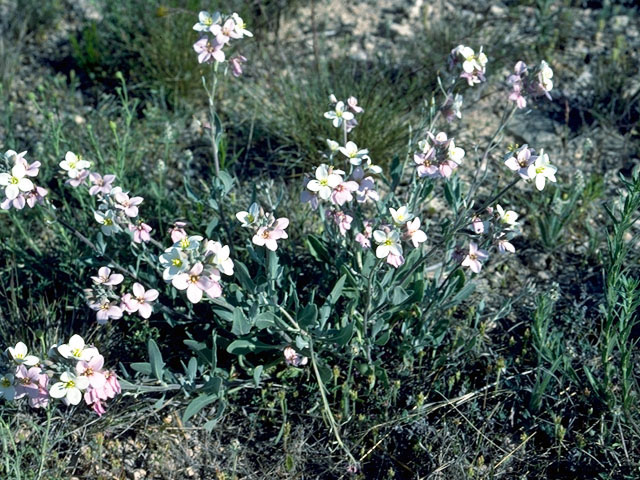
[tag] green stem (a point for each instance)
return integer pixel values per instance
(327, 408)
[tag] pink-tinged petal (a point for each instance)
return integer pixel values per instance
(114, 312)
(115, 279)
(204, 283)
(181, 281)
(215, 290)
(138, 290)
(271, 244)
(283, 223)
(151, 295)
(145, 310)
(97, 380)
(96, 363)
(196, 269)
(194, 294)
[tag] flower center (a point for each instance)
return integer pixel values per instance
(14, 180)
(473, 256)
(184, 243)
(176, 262)
(76, 352)
(70, 384)
(324, 182)
(107, 222)
(388, 242)
(194, 278)
(5, 383)
(539, 170)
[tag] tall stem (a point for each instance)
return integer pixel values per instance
(212, 118)
(327, 408)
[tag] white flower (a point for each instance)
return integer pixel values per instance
(545, 76)
(220, 259)
(7, 390)
(19, 355)
(16, 181)
(77, 350)
(388, 243)
(542, 170)
(188, 243)
(175, 261)
(471, 60)
(414, 234)
(249, 218)
(108, 221)
(401, 215)
(240, 27)
(339, 115)
(206, 21)
(69, 387)
(509, 216)
(333, 145)
(455, 154)
(73, 164)
(324, 183)
(355, 156)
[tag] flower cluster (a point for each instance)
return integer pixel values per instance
(19, 189)
(267, 229)
(437, 156)
(389, 238)
(530, 166)
(530, 82)
(195, 264)
(108, 304)
(498, 228)
(222, 31)
(117, 211)
(342, 115)
(473, 65)
(73, 370)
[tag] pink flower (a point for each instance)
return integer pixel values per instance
(395, 260)
(128, 205)
(105, 277)
(177, 231)
(352, 102)
(141, 300)
(342, 220)
(366, 188)
(363, 241)
(343, 192)
(101, 184)
(521, 161)
(95, 396)
(236, 65)
(472, 260)
(78, 180)
(207, 51)
(18, 203)
(106, 310)
(33, 383)
(36, 196)
(291, 357)
(195, 282)
(140, 232)
(267, 236)
(92, 369)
